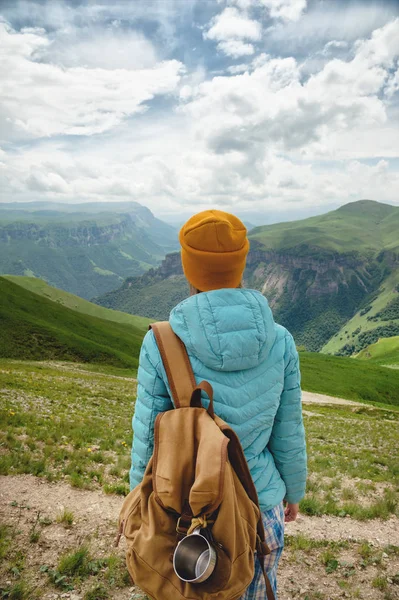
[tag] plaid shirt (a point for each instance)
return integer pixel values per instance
(273, 521)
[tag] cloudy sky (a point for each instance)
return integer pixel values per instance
(268, 108)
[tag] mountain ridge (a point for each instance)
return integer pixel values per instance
(86, 253)
(314, 283)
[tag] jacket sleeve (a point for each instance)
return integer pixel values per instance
(287, 441)
(152, 398)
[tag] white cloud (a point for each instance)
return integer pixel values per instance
(47, 182)
(231, 24)
(288, 10)
(42, 99)
(241, 68)
(236, 48)
(392, 85)
(272, 107)
(230, 28)
(333, 45)
(383, 46)
(326, 21)
(58, 15)
(120, 49)
(161, 175)
(260, 135)
(242, 4)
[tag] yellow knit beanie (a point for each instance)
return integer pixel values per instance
(214, 250)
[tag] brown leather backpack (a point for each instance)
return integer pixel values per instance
(197, 471)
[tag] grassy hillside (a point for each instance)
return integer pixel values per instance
(355, 227)
(33, 327)
(349, 378)
(380, 311)
(38, 286)
(383, 352)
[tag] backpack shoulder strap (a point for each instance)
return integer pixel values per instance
(176, 362)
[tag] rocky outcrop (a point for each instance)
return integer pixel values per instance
(312, 259)
(171, 265)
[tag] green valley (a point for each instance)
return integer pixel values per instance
(153, 294)
(319, 272)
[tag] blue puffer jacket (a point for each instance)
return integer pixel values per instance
(252, 364)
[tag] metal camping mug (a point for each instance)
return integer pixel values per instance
(194, 559)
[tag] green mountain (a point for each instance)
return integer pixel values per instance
(362, 227)
(37, 328)
(86, 249)
(317, 274)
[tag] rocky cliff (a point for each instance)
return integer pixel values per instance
(314, 297)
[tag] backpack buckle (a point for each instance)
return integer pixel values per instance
(183, 524)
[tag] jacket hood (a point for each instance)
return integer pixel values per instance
(227, 329)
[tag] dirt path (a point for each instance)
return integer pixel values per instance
(313, 398)
(95, 507)
(94, 521)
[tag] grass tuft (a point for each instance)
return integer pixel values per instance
(380, 582)
(19, 591)
(98, 592)
(122, 489)
(329, 561)
(66, 518)
(75, 563)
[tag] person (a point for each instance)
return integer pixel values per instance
(252, 364)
